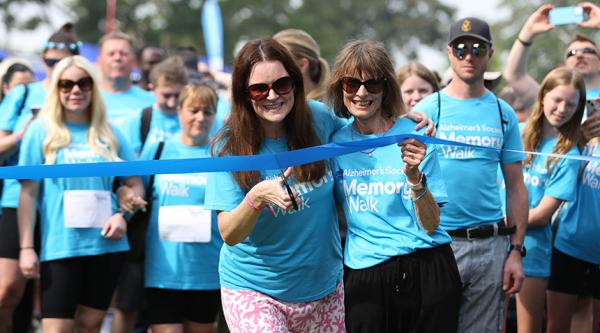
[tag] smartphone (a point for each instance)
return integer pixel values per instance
(592, 107)
(567, 15)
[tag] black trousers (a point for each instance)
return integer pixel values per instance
(417, 292)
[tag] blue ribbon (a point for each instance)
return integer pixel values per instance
(227, 163)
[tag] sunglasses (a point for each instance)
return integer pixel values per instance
(478, 50)
(168, 96)
(281, 86)
(51, 62)
(585, 50)
(351, 85)
(289, 191)
(85, 84)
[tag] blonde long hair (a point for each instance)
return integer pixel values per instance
(302, 45)
(569, 134)
(101, 138)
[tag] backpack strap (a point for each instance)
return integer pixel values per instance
(145, 128)
(22, 104)
(161, 146)
(502, 120)
(439, 110)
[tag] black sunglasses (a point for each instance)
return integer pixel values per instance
(351, 85)
(170, 95)
(460, 50)
(289, 191)
(281, 86)
(85, 84)
(51, 62)
(585, 50)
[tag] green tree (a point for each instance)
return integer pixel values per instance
(13, 18)
(548, 50)
(401, 24)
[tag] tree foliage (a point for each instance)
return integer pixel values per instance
(13, 16)
(547, 52)
(401, 24)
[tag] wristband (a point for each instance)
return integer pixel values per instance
(420, 196)
(419, 185)
(526, 44)
(26, 247)
(126, 215)
(252, 205)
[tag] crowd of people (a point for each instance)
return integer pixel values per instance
(403, 238)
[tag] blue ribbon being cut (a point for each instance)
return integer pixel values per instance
(228, 163)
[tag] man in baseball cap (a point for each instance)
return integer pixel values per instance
(470, 27)
(473, 216)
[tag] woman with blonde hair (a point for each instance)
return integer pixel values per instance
(575, 264)
(306, 51)
(182, 240)
(17, 109)
(553, 127)
(82, 230)
(416, 82)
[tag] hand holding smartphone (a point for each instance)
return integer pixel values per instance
(567, 15)
(592, 107)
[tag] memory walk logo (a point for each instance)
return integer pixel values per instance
(178, 185)
(469, 134)
(303, 189)
(591, 175)
(79, 153)
(536, 176)
(364, 195)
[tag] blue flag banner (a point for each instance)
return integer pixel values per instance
(228, 163)
(212, 27)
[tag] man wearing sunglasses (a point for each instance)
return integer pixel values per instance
(581, 54)
(466, 111)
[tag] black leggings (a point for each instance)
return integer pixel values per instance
(88, 281)
(417, 292)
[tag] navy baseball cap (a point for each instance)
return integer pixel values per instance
(471, 27)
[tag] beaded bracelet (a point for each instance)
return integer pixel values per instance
(420, 196)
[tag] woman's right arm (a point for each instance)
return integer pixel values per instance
(28, 260)
(236, 225)
(9, 141)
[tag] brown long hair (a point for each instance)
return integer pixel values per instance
(242, 133)
(369, 57)
(569, 134)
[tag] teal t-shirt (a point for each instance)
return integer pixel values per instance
(377, 201)
(560, 183)
(123, 105)
(180, 263)
(293, 256)
(579, 227)
(162, 127)
(58, 240)
(10, 120)
(470, 173)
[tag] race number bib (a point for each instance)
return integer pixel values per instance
(86, 208)
(184, 224)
